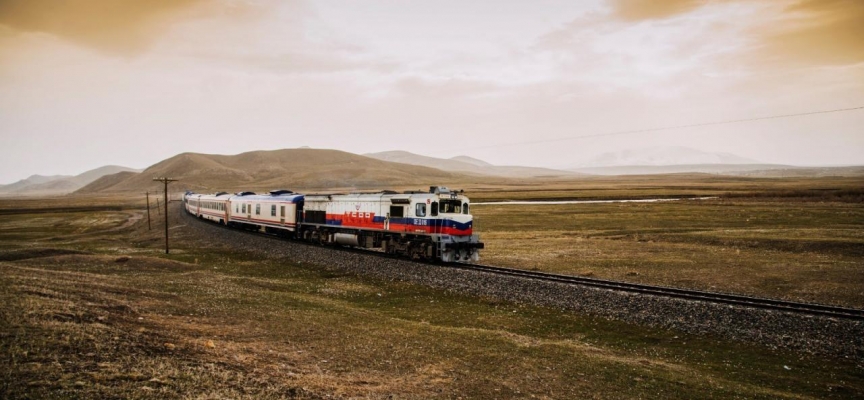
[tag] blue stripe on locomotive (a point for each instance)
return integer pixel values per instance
(444, 223)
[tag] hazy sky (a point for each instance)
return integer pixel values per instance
(84, 83)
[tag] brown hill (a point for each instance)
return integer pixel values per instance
(105, 183)
(57, 184)
(265, 170)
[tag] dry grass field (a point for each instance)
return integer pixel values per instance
(93, 308)
(799, 250)
(663, 186)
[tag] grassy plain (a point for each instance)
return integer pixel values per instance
(799, 239)
(81, 320)
(661, 186)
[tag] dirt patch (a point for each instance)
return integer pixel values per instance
(110, 263)
(25, 254)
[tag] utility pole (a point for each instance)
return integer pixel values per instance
(165, 181)
(158, 206)
(148, 212)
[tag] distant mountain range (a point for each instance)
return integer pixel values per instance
(661, 156)
(58, 184)
(678, 159)
(468, 165)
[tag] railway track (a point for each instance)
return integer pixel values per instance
(713, 297)
(695, 295)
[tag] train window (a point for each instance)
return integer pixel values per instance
(236, 208)
(273, 210)
(464, 208)
(451, 207)
(244, 208)
(397, 211)
(420, 210)
(257, 209)
(434, 210)
(282, 211)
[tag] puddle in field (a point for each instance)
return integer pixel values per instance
(588, 201)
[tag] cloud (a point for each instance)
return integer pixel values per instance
(816, 32)
(791, 33)
(637, 10)
(114, 26)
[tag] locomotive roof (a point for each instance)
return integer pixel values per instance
(383, 196)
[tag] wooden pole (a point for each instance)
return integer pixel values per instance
(148, 212)
(165, 181)
(158, 207)
(166, 216)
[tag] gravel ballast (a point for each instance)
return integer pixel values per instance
(801, 333)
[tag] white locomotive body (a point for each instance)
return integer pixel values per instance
(422, 225)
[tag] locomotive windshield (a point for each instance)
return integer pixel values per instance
(451, 206)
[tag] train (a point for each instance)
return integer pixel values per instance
(434, 225)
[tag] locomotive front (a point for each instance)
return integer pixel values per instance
(453, 225)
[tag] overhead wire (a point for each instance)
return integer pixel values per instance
(632, 131)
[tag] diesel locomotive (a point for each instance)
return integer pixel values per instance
(433, 225)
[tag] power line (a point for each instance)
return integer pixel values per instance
(627, 132)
